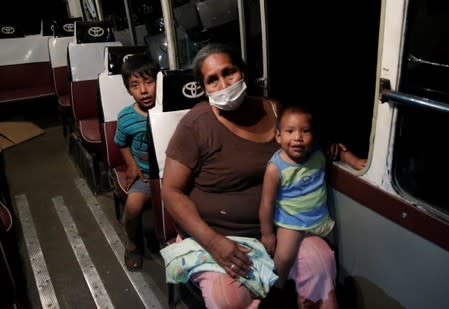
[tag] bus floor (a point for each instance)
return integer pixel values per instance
(70, 243)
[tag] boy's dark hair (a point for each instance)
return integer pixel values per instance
(140, 64)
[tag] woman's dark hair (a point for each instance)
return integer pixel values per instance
(138, 64)
(216, 48)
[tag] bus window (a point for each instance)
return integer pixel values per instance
(337, 79)
(90, 11)
(157, 44)
(143, 15)
(30, 19)
(201, 22)
(420, 153)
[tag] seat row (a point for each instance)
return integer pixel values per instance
(76, 63)
(96, 94)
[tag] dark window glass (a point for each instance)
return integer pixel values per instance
(337, 79)
(420, 162)
(29, 14)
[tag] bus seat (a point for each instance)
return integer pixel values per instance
(65, 28)
(176, 93)
(113, 93)
(57, 47)
(8, 243)
(85, 61)
(48, 25)
(25, 71)
(7, 281)
(11, 30)
(117, 167)
(113, 97)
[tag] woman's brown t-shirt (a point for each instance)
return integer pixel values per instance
(228, 171)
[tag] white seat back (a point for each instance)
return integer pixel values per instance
(162, 126)
(58, 51)
(173, 101)
(86, 50)
(87, 60)
(113, 94)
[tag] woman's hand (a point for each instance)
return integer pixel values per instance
(354, 161)
(230, 255)
(227, 253)
(334, 150)
(339, 151)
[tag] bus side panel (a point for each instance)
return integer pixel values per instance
(382, 264)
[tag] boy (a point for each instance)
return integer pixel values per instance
(294, 190)
(139, 76)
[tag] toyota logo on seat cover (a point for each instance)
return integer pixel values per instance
(125, 57)
(68, 27)
(192, 90)
(96, 32)
(8, 30)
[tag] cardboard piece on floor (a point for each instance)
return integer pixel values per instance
(5, 143)
(16, 132)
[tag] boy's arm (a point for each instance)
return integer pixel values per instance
(271, 182)
(133, 171)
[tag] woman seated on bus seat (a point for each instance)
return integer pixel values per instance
(212, 185)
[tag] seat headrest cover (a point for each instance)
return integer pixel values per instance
(93, 32)
(116, 54)
(180, 90)
(48, 26)
(65, 27)
(11, 30)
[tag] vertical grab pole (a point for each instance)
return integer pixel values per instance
(263, 30)
(99, 9)
(170, 33)
(242, 29)
(132, 33)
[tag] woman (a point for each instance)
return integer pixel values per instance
(212, 184)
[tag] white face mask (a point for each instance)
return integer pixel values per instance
(230, 98)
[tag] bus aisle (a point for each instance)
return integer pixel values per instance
(70, 241)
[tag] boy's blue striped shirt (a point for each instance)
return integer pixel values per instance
(132, 132)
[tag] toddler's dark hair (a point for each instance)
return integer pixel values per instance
(304, 109)
(294, 109)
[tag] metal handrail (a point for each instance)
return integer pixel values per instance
(412, 100)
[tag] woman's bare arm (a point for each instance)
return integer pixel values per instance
(225, 252)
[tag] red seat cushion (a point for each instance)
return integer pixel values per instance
(119, 181)
(90, 130)
(64, 100)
